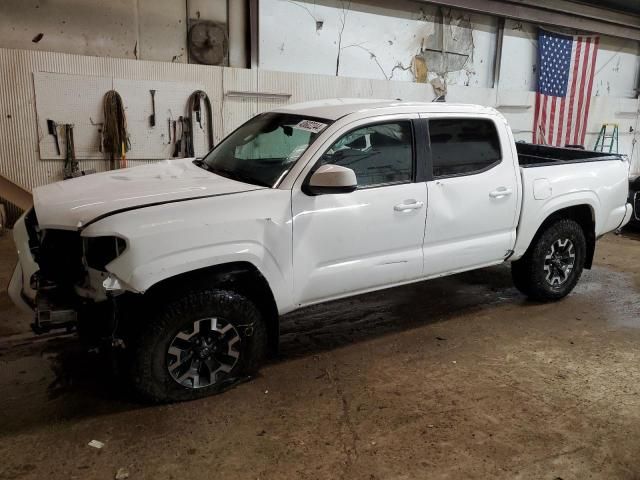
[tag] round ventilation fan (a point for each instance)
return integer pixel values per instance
(208, 42)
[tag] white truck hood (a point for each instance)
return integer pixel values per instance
(71, 204)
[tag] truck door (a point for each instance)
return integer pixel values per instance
(473, 194)
(352, 242)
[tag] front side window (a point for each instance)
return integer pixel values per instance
(378, 154)
(463, 146)
(264, 149)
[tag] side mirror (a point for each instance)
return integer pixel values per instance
(331, 179)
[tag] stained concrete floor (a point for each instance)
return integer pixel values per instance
(455, 378)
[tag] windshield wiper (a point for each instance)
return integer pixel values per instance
(233, 175)
(198, 162)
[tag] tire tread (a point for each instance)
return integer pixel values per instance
(527, 274)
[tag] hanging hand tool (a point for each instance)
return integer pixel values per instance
(187, 137)
(195, 109)
(152, 118)
(53, 130)
(115, 139)
(168, 131)
(174, 134)
(178, 141)
(71, 166)
(100, 126)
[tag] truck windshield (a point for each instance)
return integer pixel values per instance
(264, 149)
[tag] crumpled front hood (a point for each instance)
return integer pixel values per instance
(73, 203)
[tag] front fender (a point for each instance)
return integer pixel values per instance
(171, 239)
(142, 277)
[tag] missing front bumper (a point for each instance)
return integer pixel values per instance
(53, 314)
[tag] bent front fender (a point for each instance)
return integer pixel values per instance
(142, 277)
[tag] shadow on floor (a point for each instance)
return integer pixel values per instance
(59, 378)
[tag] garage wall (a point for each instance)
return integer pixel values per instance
(378, 40)
(614, 88)
(617, 64)
(329, 48)
(19, 157)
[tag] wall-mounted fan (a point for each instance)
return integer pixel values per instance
(207, 42)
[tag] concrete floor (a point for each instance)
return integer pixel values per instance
(453, 378)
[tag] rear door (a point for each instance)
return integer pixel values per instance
(473, 194)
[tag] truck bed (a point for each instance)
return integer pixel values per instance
(531, 155)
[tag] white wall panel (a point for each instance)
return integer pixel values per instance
(237, 109)
(617, 68)
(518, 61)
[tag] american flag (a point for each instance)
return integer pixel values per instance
(566, 66)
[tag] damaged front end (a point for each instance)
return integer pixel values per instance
(62, 277)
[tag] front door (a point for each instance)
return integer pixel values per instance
(372, 237)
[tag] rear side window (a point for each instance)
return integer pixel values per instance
(378, 154)
(463, 146)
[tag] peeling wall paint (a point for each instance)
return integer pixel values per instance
(371, 40)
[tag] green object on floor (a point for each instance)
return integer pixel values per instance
(604, 135)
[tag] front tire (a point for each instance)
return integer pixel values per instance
(553, 264)
(198, 345)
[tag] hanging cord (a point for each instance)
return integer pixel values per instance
(115, 138)
(71, 166)
(195, 111)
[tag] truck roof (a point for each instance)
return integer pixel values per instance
(332, 109)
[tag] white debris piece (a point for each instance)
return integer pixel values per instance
(96, 444)
(122, 474)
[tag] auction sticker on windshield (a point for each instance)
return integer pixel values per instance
(310, 126)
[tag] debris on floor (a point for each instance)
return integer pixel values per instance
(122, 474)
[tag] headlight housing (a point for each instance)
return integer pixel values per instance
(100, 251)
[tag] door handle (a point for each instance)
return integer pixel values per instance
(501, 192)
(408, 206)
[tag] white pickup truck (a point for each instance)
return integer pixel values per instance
(187, 264)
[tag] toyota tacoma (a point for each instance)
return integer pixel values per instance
(186, 265)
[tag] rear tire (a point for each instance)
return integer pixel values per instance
(198, 345)
(553, 264)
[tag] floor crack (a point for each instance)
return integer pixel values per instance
(348, 435)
